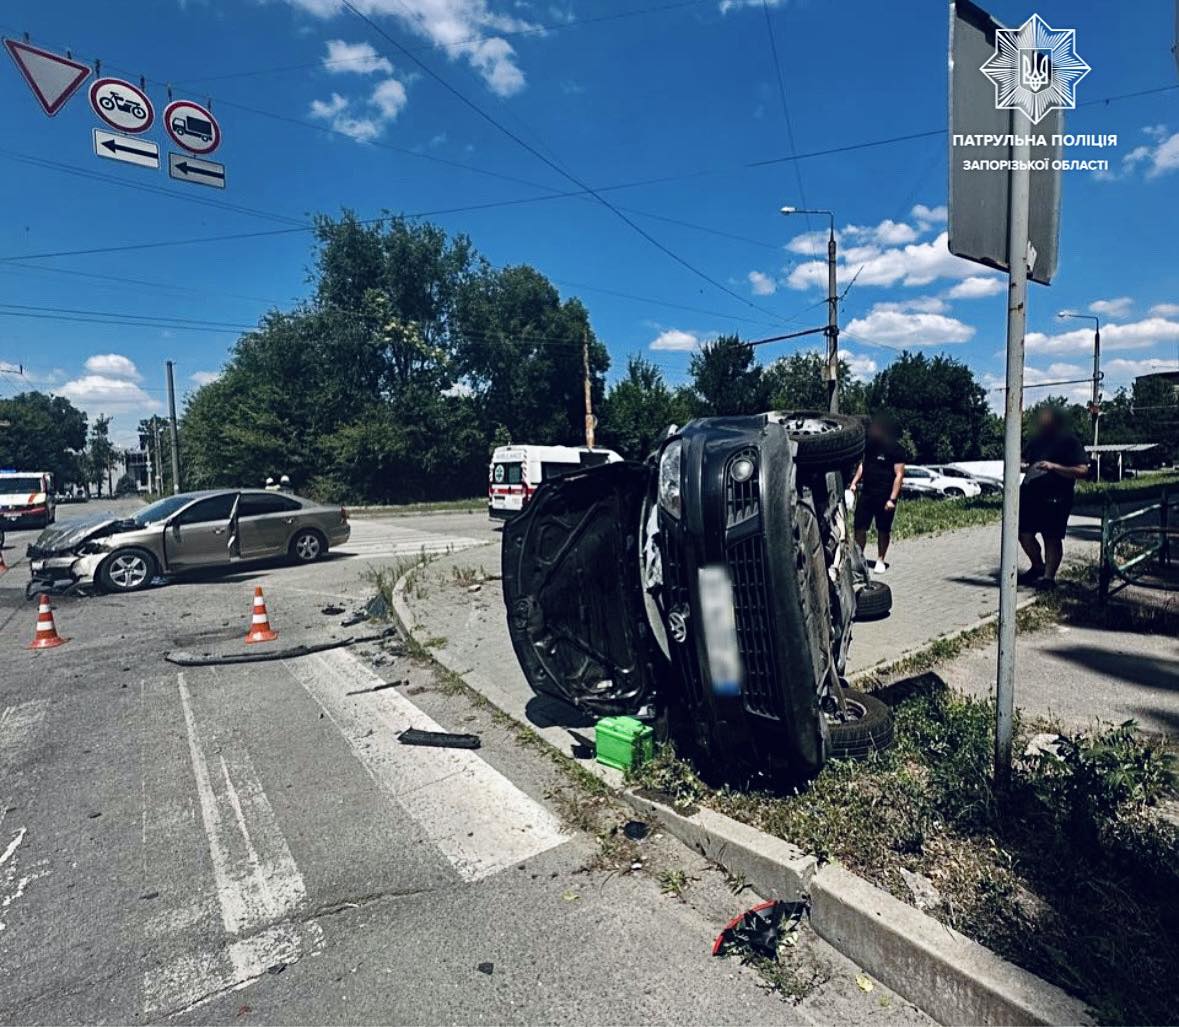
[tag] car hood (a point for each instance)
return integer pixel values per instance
(73, 533)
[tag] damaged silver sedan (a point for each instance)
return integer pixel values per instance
(190, 531)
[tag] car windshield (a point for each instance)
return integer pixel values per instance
(20, 484)
(160, 510)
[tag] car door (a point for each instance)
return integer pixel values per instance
(267, 520)
(203, 534)
(572, 587)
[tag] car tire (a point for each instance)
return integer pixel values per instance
(873, 601)
(127, 570)
(870, 731)
(953, 492)
(825, 441)
(307, 546)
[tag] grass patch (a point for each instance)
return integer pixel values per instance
(917, 517)
(935, 516)
(1070, 873)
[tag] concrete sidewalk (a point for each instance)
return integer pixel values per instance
(944, 584)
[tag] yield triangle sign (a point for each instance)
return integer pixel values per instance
(52, 77)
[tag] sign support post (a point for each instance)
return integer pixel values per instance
(1017, 292)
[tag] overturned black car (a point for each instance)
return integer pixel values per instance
(710, 590)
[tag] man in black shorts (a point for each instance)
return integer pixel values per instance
(879, 478)
(1053, 460)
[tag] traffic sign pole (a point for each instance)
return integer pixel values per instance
(1017, 291)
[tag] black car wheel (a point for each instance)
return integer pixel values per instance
(308, 546)
(825, 441)
(127, 570)
(874, 600)
(954, 492)
(867, 729)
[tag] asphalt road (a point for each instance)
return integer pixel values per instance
(252, 844)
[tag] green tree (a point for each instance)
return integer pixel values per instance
(638, 410)
(937, 401)
(43, 433)
(798, 382)
(101, 454)
(726, 380)
(519, 350)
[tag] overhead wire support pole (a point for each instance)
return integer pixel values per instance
(175, 436)
(589, 400)
(1017, 289)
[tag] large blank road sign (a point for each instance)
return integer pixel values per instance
(979, 199)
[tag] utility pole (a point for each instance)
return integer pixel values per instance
(175, 436)
(832, 327)
(589, 401)
(1095, 399)
(1017, 294)
(831, 370)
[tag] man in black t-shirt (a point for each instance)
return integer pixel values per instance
(879, 479)
(1053, 460)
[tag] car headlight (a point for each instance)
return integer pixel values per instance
(669, 479)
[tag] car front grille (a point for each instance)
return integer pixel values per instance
(674, 577)
(751, 602)
(740, 496)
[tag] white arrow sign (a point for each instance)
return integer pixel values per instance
(127, 149)
(193, 169)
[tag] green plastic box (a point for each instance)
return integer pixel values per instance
(623, 742)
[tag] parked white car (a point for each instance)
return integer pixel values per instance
(926, 481)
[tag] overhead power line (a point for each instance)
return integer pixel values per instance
(548, 162)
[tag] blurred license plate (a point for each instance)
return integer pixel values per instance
(720, 630)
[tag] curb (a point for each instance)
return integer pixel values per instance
(944, 973)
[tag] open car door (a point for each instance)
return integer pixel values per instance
(573, 589)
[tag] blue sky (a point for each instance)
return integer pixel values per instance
(684, 93)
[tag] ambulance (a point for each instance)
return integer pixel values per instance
(517, 471)
(26, 499)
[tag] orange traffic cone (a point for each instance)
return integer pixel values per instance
(260, 630)
(47, 636)
(3, 565)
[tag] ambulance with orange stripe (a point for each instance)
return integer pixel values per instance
(26, 499)
(517, 471)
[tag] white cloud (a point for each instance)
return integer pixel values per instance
(358, 58)
(975, 287)
(363, 122)
(1135, 335)
(1118, 307)
(674, 339)
(389, 98)
(462, 28)
(887, 233)
(102, 394)
(113, 365)
(1121, 371)
(887, 325)
(862, 367)
(1156, 158)
(762, 284)
(737, 5)
(915, 264)
(204, 377)
(1165, 310)
(919, 304)
(926, 217)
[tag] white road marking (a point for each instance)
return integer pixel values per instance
(12, 882)
(12, 846)
(476, 817)
(258, 884)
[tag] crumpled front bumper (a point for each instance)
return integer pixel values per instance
(58, 573)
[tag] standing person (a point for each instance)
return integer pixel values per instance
(879, 479)
(1053, 460)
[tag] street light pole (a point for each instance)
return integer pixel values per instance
(832, 332)
(1095, 402)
